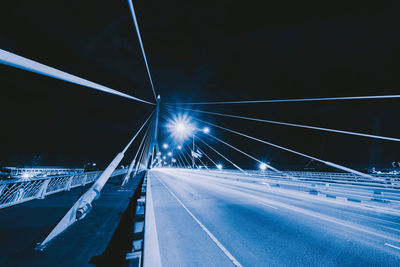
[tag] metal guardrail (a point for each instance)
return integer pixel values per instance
(384, 190)
(19, 191)
(380, 181)
(28, 173)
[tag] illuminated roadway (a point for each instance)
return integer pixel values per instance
(206, 221)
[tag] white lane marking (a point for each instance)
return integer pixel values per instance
(262, 203)
(393, 246)
(213, 238)
(304, 211)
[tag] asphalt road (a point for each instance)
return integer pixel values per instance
(206, 221)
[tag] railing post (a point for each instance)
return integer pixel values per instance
(84, 179)
(68, 185)
(42, 192)
(2, 186)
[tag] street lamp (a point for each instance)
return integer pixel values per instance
(181, 127)
(165, 146)
(219, 166)
(262, 166)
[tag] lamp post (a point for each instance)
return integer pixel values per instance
(205, 130)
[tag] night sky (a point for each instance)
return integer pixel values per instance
(202, 51)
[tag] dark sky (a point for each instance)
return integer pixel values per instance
(202, 51)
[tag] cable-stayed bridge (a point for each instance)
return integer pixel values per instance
(185, 201)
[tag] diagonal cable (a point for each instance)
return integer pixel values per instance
(14, 60)
(293, 151)
(236, 166)
(207, 156)
(291, 100)
(141, 45)
(84, 204)
(244, 153)
(296, 125)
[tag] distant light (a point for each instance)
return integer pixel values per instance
(262, 166)
(169, 154)
(164, 157)
(180, 127)
(158, 153)
(219, 166)
(179, 147)
(206, 130)
(165, 146)
(94, 164)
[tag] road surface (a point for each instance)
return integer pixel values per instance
(207, 221)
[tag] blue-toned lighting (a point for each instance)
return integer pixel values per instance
(180, 127)
(262, 166)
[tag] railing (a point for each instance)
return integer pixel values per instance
(18, 191)
(27, 173)
(385, 189)
(379, 181)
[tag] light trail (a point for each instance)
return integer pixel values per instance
(141, 45)
(295, 125)
(13, 60)
(290, 100)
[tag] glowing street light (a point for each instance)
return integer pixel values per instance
(165, 145)
(164, 157)
(206, 130)
(219, 166)
(262, 166)
(179, 147)
(169, 154)
(180, 127)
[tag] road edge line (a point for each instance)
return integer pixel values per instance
(151, 251)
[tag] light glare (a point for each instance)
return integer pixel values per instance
(180, 127)
(263, 166)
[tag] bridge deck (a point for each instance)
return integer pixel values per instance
(24, 225)
(206, 221)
